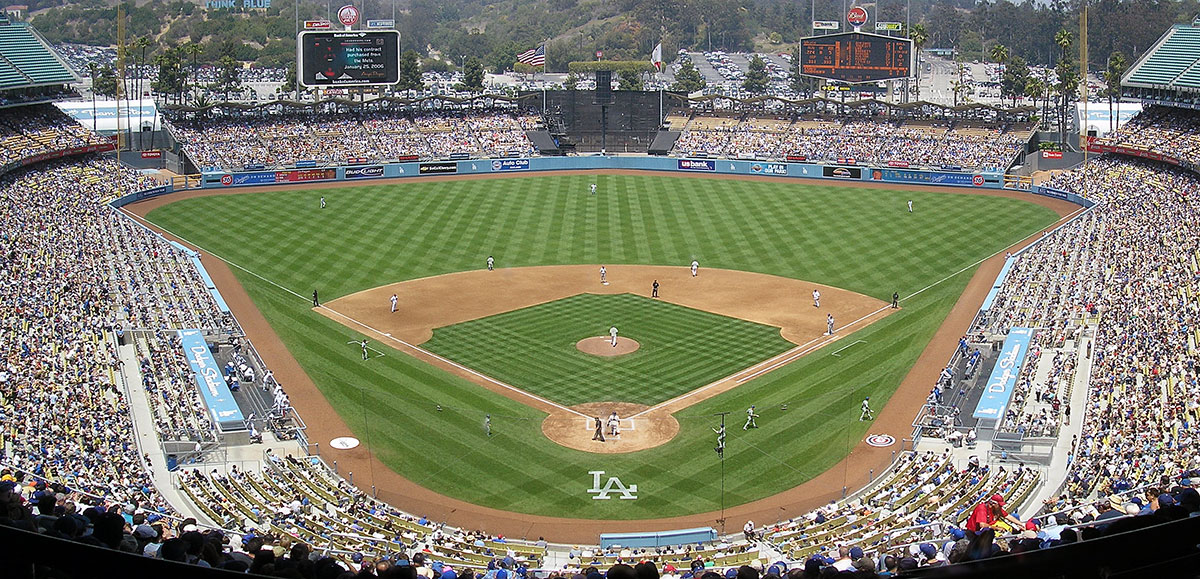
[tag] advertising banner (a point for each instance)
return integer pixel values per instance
(510, 165)
(842, 172)
(260, 178)
(305, 175)
(1004, 376)
(826, 24)
(1051, 154)
(67, 153)
(305, 164)
(437, 168)
(768, 168)
(151, 154)
(1096, 147)
(930, 177)
(795, 158)
(696, 165)
(213, 389)
(898, 164)
(364, 172)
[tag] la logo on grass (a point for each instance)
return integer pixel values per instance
(613, 485)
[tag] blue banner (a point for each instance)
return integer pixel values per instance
(305, 164)
(1049, 192)
(253, 178)
(214, 390)
(696, 165)
(510, 165)
(933, 178)
(1004, 376)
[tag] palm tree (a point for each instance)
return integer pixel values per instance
(999, 53)
(1063, 38)
(141, 43)
(1112, 77)
(1034, 88)
(193, 50)
(919, 37)
(93, 71)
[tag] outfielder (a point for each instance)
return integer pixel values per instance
(394, 300)
(695, 267)
(491, 263)
(612, 332)
(750, 416)
(322, 202)
(593, 188)
(487, 423)
(910, 205)
(867, 414)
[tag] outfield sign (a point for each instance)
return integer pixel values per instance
(928, 177)
(1004, 376)
(842, 172)
(826, 25)
(257, 178)
(317, 25)
(510, 165)
(386, 24)
(888, 27)
(213, 389)
(696, 165)
(768, 169)
(368, 172)
(437, 168)
(614, 485)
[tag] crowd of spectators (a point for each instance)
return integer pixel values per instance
(282, 140)
(36, 129)
(1171, 131)
(862, 140)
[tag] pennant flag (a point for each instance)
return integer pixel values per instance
(656, 57)
(534, 56)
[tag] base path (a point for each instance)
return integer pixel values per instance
(894, 419)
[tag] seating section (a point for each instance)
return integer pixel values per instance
(26, 60)
(230, 143)
(863, 141)
(1172, 132)
(36, 129)
(1175, 62)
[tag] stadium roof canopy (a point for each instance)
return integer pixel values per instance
(27, 61)
(1171, 64)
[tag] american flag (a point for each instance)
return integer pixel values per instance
(534, 56)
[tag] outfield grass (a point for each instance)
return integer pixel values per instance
(860, 239)
(681, 348)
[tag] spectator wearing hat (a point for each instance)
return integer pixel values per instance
(990, 514)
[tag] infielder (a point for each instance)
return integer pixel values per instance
(603, 274)
(654, 289)
(867, 414)
(593, 188)
(829, 323)
(695, 267)
(614, 424)
(612, 332)
(491, 263)
(910, 205)
(816, 298)
(750, 416)
(322, 202)
(394, 299)
(364, 348)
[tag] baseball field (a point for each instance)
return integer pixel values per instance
(502, 344)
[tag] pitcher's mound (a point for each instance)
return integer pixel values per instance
(602, 346)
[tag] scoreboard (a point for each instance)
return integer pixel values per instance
(352, 58)
(856, 57)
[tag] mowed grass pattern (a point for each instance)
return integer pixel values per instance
(534, 348)
(860, 239)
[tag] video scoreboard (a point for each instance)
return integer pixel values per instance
(351, 58)
(856, 57)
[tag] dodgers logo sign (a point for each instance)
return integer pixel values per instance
(614, 485)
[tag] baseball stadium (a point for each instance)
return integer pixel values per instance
(358, 328)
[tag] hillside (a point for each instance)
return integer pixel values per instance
(496, 30)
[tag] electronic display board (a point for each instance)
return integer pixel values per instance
(856, 57)
(351, 58)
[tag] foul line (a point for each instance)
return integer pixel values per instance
(383, 334)
(836, 352)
